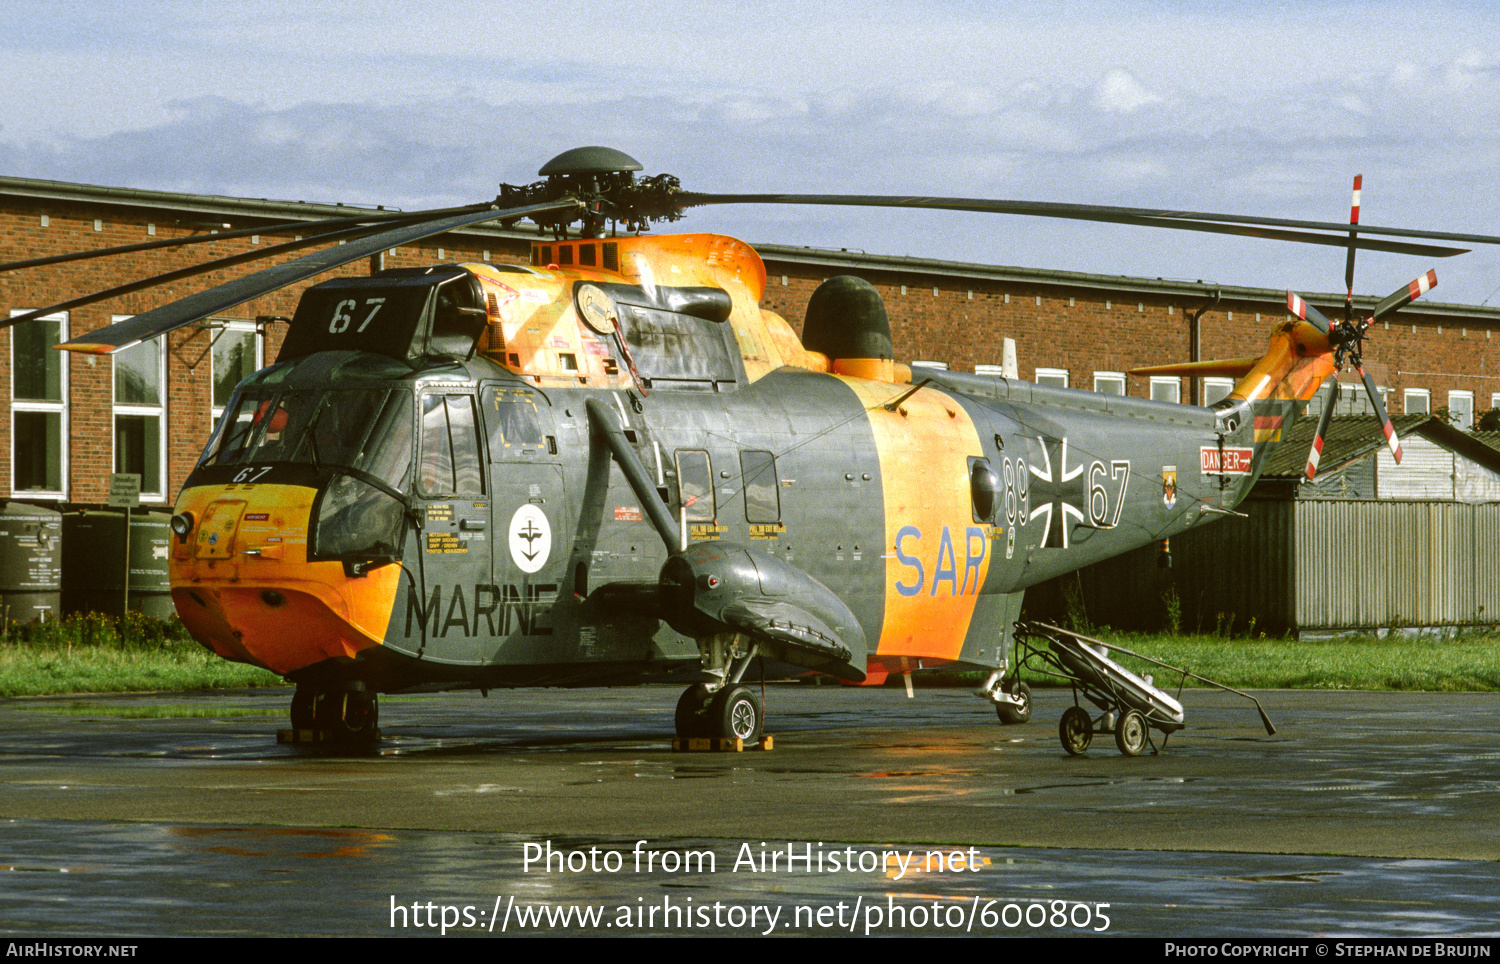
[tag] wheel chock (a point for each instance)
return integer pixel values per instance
(700, 744)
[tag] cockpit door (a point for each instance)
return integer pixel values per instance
(533, 533)
(457, 541)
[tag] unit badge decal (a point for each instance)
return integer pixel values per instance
(530, 538)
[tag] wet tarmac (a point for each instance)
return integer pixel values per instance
(1365, 815)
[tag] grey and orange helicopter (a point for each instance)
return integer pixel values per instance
(611, 466)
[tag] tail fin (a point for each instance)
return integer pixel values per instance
(1270, 393)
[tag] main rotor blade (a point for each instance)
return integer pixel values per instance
(190, 271)
(1385, 419)
(1297, 306)
(1179, 220)
(1404, 296)
(1316, 453)
(312, 227)
(205, 303)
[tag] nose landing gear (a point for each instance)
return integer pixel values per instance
(340, 714)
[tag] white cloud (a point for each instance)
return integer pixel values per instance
(1120, 93)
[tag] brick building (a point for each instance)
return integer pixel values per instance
(68, 420)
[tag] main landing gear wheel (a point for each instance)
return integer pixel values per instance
(1130, 735)
(1075, 730)
(304, 706)
(345, 715)
(1010, 713)
(692, 712)
(735, 713)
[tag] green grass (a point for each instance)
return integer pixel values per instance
(168, 712)
(1463, 662)
(100, 654)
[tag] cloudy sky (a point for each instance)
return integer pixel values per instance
(1245, 108)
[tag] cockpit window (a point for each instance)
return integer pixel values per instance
(366, 430)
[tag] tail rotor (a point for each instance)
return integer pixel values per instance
(1347, 337)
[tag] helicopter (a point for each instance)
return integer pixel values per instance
(610, 466)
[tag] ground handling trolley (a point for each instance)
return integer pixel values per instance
(1131, 706)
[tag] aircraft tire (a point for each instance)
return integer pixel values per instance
(349, 715)
(304, 708)
(692, 713)
(736, 713)
(1010, 713)
(1075, 730)
(1130, 734)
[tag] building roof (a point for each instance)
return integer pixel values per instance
(1354, 437)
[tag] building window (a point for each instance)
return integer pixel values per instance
(1109, 383)
(940, 365)
(1216, 389)
(1056, 377)
(1417, 401)
(1164, 389)
(1461, 410)
(238, 352)
(991, 370)
(141, 414)
(39, 408)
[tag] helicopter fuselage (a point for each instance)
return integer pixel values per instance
(457, 522)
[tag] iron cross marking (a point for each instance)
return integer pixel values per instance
(1060, 496)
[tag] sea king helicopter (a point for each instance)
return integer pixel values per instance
(611, 466)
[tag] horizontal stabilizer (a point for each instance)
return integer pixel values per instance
(1230, 367)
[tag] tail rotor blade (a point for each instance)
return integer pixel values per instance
(1353, 235)
(1307, 312)
(1385, 419)
(1404, 296)
(1317, 447)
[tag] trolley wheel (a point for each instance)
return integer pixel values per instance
(1012, 713)
(1075, 730)
(1130, 735)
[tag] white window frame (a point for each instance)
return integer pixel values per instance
(1467, 398)
(1116, 379)
(1168, 385)
(1421, 395)
(152, 490)
(1215, 383)
(991, 370)
(1056, 377)
(260, 358)
(59, 408)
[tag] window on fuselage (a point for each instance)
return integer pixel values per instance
(695, 484)
(450, 447)
(511, 422)
(762, 500)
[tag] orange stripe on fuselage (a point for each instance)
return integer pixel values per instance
(936, 556)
